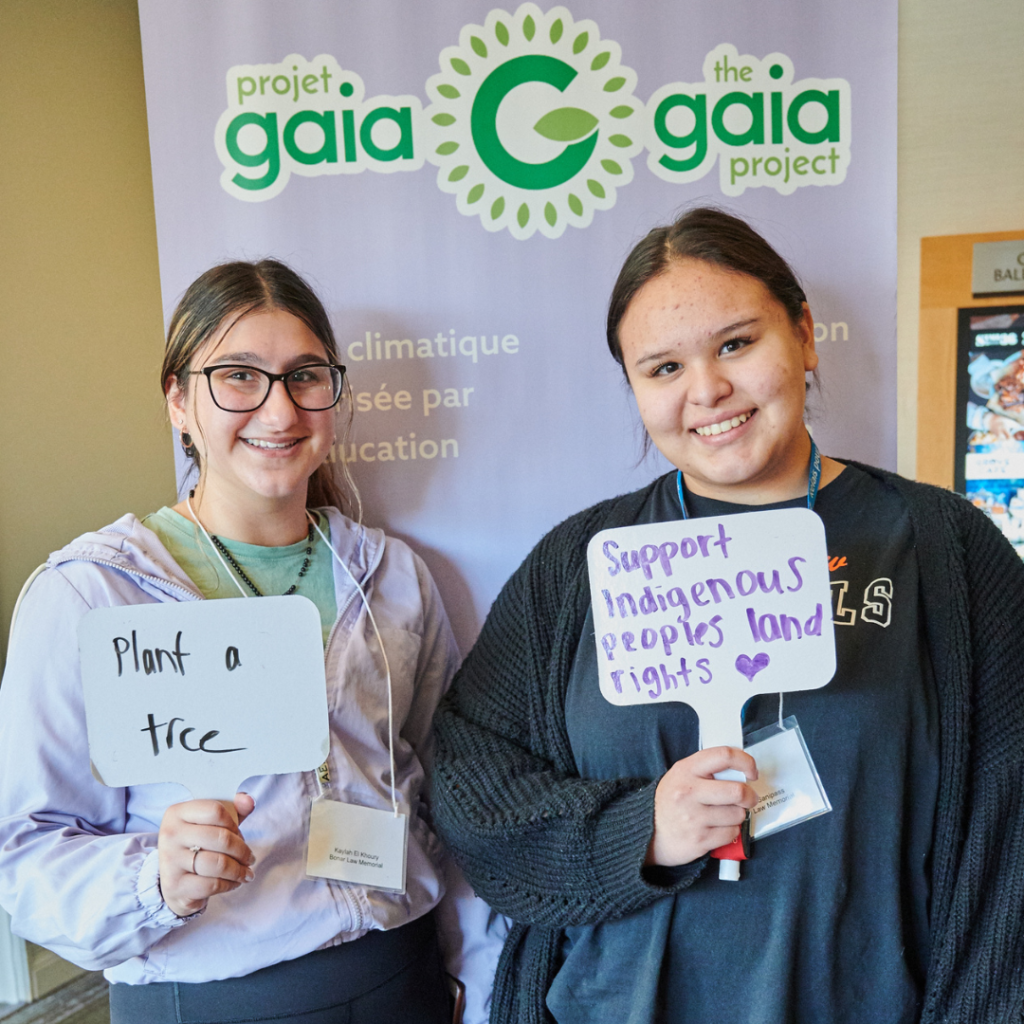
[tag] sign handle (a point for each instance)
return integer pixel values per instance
(727, 730)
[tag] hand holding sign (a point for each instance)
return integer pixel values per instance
(711, 612)
(205, 694)
(202, 852)
(694, 811)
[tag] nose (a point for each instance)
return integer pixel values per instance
(278, 410)
(707, 384)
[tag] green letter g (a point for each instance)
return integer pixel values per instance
(269, 155)
(497, 85)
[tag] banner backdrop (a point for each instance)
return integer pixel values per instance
(461, 183)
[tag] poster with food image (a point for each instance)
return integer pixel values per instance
(990, 410)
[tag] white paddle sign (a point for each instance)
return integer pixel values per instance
(204, 693)
(711, 612)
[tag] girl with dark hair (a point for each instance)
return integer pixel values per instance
(590, 825)
(194, 912)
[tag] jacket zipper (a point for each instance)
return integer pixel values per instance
(131, 572)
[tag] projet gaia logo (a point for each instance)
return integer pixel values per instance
(533, 122)
(309, 118)
(533, 125)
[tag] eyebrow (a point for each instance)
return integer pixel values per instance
(250, 358)
(728, 329)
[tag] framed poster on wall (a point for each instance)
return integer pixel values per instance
(990, 413)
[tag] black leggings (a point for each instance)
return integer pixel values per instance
(384, 977)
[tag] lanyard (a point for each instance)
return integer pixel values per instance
(813, 479)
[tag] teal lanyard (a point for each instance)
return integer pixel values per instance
(813, 480)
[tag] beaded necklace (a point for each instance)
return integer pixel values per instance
(248, 582)
(223, 553)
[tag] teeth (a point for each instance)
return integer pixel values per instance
(256, 443)
(724, 427)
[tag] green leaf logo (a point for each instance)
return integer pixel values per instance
(566, 124)
(576, 158)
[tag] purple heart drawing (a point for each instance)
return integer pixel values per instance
(751, 666)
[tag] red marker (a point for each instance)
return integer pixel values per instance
(731, 854)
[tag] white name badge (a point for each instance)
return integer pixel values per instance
(788, 786)
(363, 845)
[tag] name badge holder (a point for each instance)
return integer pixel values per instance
(788, 785)
(356, 844)
(349, 842)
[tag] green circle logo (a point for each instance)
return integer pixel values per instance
(532, 123)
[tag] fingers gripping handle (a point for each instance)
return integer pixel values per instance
(730, 855)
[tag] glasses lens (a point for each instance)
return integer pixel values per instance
(237, 388)
(314, 387)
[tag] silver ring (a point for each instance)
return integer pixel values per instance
(196, 850)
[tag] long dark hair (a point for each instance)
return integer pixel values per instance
(712, 236)
(229, 292)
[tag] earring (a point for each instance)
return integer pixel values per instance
(186, 444)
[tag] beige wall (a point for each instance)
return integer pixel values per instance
(84, 434)
(80, 324)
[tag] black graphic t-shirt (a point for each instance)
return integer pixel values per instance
(829, 921)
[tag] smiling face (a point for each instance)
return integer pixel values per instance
(717, 368)
(258, 460)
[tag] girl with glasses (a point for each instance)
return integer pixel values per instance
(192, 914)
(590, 825)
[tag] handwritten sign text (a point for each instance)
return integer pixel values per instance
(711, 612)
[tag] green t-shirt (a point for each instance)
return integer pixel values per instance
(273, 570)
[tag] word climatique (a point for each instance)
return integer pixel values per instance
(373, 348)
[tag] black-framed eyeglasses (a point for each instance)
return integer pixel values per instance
(239, 388)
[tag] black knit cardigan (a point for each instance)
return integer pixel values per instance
(551, 850)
